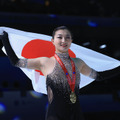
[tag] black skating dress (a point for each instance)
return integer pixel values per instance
(60, 106)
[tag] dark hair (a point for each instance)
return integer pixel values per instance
(60, 28)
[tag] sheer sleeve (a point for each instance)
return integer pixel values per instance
(22, 63)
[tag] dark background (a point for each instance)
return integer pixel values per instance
(94, 23)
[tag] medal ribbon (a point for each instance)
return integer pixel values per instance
(71, 82)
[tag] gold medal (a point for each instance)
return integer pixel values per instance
(70, 81)
(73, 97)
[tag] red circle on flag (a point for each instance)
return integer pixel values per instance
(41, 48)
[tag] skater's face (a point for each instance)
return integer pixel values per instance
(62, 40)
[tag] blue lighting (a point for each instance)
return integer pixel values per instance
(92, 24)
(2, 108)
(86, 44)
(103, 46)
(52, 15)
(35, 94)
(16, 118)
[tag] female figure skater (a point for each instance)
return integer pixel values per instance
(62, 75)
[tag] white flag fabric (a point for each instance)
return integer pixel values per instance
(32, 45)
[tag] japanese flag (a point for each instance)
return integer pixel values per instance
(32, 45)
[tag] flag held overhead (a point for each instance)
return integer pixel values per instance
(32, 45)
